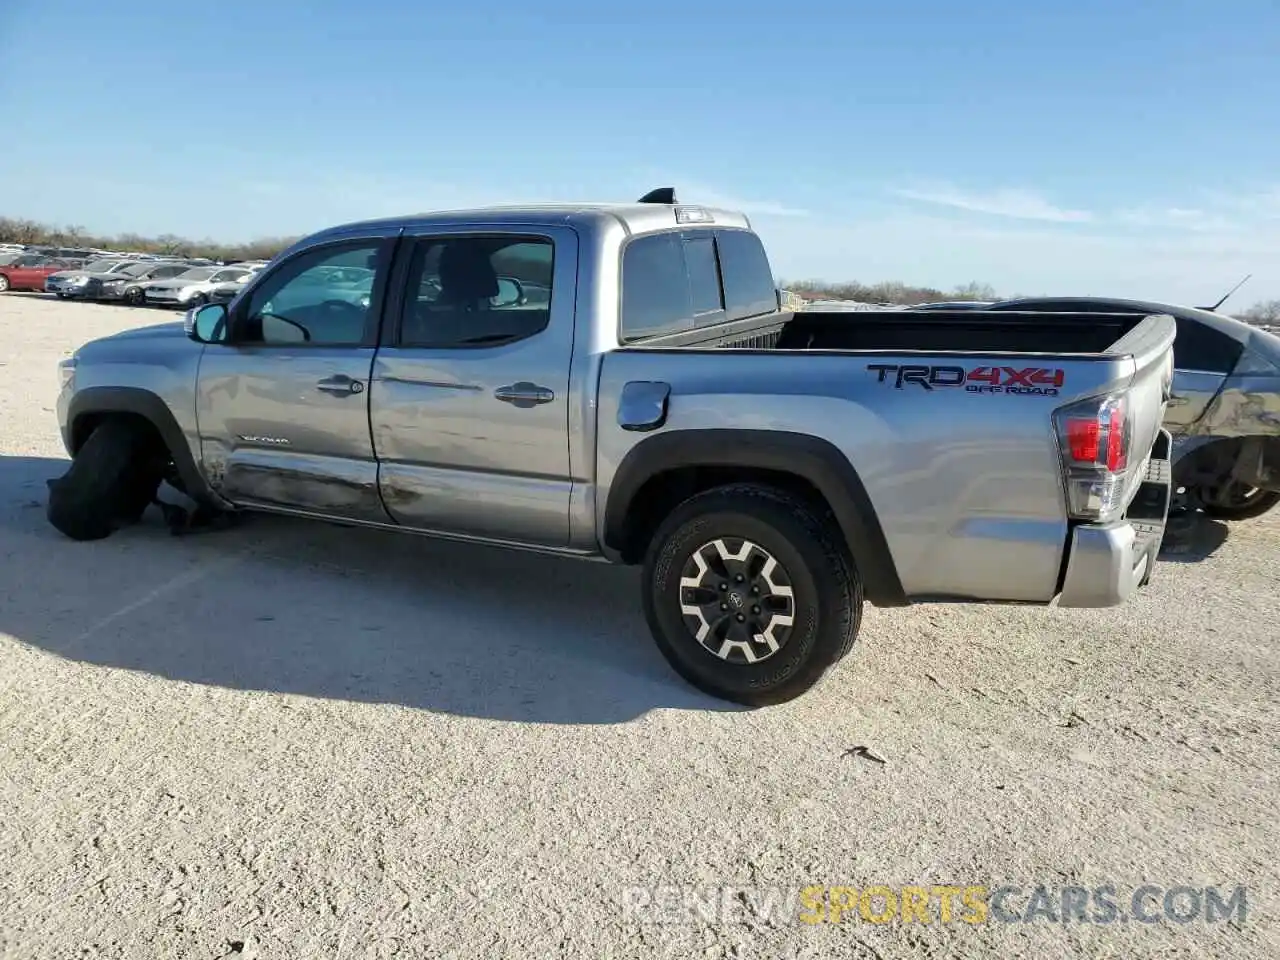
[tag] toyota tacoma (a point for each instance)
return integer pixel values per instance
(619, 382)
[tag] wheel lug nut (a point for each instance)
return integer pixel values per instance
(724, 606)
(739, 578)
(755, 610)
(741, 618)
(724, 586)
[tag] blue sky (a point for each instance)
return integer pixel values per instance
(1086, 147)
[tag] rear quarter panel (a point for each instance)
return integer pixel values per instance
(966, 485)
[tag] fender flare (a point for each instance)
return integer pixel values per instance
(805, 456)
(100, 401)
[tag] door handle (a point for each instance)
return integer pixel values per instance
(524, 394)
(340, 385)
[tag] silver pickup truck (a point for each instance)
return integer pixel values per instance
(619, 382)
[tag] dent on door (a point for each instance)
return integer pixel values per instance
(1191, 395)
(291, 431)
(1247, 406)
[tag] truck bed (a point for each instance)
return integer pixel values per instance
(959, 330)
(919, 331)
(966, 480)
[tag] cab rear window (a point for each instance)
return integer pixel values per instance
(683, 280)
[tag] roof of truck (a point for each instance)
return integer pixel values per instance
(634, 217)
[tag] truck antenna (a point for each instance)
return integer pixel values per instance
(1215, 307)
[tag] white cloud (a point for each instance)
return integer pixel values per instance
(1014, 202)
(760, 208)
(693, 191)
(1176, 218)
(1175, 266)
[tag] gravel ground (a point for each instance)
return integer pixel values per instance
(291, 740)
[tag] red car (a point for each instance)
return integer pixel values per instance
(29, 272)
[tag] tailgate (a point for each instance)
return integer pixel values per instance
(1149, 350)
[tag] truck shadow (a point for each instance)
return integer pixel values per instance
(318, 610)
(1192, 538)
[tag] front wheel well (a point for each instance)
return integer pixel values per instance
(86, 423)
(663, 492)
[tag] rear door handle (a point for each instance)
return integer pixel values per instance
(524, 394)
(340, 385)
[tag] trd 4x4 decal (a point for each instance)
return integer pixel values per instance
(1028, 381)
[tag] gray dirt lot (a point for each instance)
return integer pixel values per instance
(290, 740)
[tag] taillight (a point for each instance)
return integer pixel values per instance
(1093, 437)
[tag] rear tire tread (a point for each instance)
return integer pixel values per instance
(813, 535)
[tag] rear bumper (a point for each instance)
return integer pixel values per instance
(1106, 563)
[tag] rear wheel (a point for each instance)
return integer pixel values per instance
(4, 283)
(750, 594)
(1238, 501)
(112, 479)
(133, 296)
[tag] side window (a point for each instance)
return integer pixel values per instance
(477, 291)
(670, 283)
(1200, 347)
(303, 300)
(749, 287)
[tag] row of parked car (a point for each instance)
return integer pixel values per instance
(168, 282)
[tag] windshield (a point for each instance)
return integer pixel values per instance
(99, 266)
(135, 269)
(199, 273)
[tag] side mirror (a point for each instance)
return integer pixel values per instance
(207, 324)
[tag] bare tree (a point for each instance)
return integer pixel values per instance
(975, 291)
(13, 230)
(1267, 312)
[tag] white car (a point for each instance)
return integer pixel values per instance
(191, 289)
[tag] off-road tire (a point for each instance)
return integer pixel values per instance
(1255, 507)
(112, 479)
(806, 543)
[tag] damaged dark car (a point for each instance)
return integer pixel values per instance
(1224, 414)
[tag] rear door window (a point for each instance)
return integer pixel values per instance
(1200, 347)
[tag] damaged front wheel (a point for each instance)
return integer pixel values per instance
(112, 479)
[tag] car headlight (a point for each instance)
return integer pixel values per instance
(67, 373)
(186, 292)
(78, 281)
